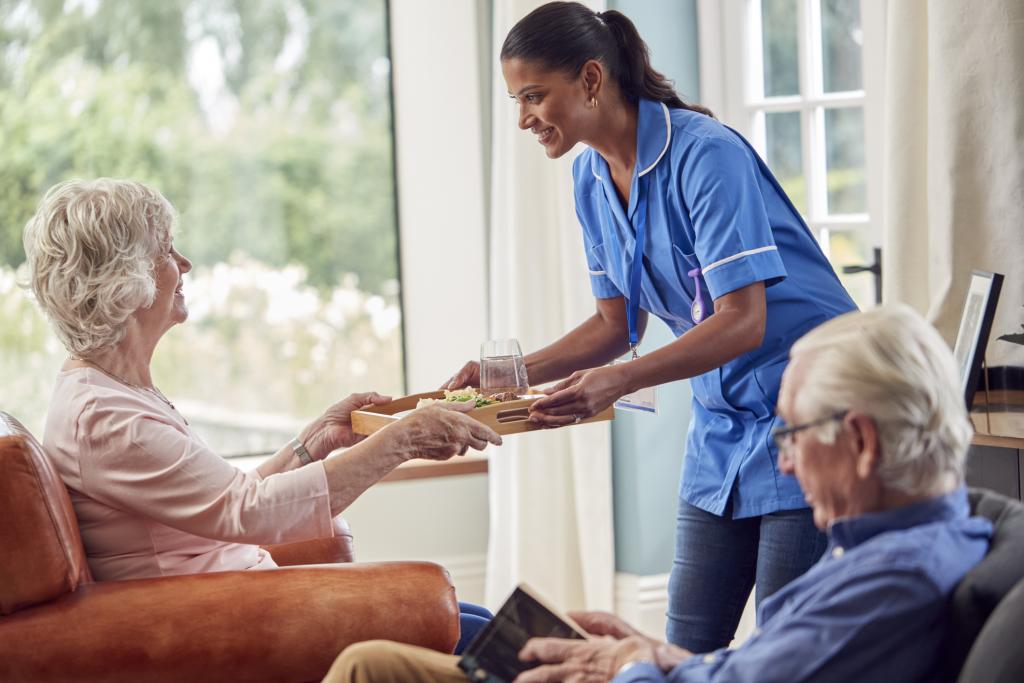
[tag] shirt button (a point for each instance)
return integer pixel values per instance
(708, 659)
(838, 551)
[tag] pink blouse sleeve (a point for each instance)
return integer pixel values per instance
(136, 460)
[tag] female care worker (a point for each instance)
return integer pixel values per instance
(681, 219)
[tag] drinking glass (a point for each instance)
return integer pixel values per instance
(502, 368)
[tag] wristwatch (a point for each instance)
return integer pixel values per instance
(300, 451)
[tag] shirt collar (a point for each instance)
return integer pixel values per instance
(653, 134)
(852, 531)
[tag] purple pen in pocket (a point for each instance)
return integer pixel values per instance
(698, 309)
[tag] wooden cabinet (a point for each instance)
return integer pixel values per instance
(996, 458)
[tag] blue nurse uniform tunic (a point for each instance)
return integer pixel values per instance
(712, 204)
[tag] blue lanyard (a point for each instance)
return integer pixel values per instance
(637, 266)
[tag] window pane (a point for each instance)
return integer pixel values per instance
(852, 249)
(844, 159)
(779, 48)
(841, 41)
(267, 125)
(785, 157)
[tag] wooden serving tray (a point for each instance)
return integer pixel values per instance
(510, 417)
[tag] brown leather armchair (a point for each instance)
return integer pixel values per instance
(57, 624)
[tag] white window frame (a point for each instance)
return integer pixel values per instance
(732, 86)
(441, 208)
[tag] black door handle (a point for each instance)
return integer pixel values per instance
(874, 268)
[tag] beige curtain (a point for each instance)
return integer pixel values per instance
(955, 158)
(550, 493)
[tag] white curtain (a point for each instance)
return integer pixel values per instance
(550, 492)
(955, 157)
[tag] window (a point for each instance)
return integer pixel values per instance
(795, 80)
(268, 126)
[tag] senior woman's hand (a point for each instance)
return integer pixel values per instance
(438, 432)
(434, 432)
(333, 429)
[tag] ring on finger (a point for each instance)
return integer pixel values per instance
(576, 419)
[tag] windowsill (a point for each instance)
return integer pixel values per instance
(412, 469)
(430, 469)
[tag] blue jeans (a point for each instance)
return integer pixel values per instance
(719, 559)
(472, 618)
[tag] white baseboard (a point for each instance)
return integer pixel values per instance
(643, 600)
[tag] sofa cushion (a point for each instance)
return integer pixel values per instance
(997, 656)
(987, 584)
(42, 556)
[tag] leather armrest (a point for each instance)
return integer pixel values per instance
(273, 625)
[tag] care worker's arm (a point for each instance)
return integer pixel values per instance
(599, 339)
(736, 327)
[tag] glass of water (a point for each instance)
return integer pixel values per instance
(502, 368)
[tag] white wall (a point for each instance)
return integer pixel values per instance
(442, 217)
(441, 520)
(441, 211)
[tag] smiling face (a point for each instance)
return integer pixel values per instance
(552, 105)
(168, 307)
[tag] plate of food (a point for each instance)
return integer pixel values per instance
(506, 412)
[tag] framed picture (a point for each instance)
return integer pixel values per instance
(975, 326)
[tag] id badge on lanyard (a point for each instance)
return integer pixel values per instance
(644, 400)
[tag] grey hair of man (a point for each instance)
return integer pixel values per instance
(891, 364)
(90, 249)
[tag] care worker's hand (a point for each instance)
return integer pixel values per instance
(583, 394)
(468, 376)
(438, 432)
(333, 429)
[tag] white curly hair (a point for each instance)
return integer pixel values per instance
(90, 249)
(891, 364)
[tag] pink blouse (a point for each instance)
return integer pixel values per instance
(153, 500)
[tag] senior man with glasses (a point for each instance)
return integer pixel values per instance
(877, 437)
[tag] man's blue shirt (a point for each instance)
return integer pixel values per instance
(872, 609)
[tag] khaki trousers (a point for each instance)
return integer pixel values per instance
(384, 661)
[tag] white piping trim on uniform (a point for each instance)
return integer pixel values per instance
(668, 138)
(740, 255)
(598, 272)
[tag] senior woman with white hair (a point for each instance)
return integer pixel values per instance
(877, 435)
(151, 498)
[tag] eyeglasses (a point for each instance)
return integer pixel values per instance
(784, 436)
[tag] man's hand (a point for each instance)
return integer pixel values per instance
(604, 624)
(581, 661)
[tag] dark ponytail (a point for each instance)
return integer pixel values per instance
(563, 36)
